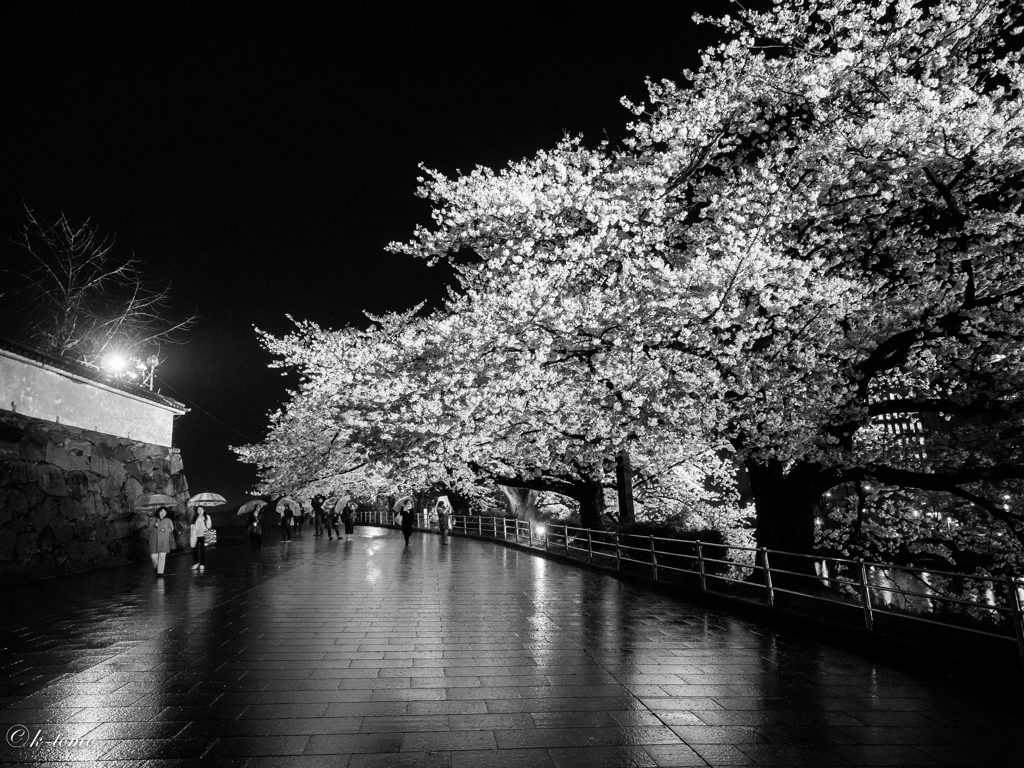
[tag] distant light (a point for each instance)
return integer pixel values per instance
(541, 530)
(114, 363)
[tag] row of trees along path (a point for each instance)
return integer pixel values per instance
(803, 259)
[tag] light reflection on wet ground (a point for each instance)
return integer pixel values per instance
(466, 655)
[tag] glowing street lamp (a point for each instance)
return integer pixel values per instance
(121, 367)
(114, 364)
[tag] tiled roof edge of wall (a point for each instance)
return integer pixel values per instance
(81, 371)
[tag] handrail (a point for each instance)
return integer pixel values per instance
(854, 591)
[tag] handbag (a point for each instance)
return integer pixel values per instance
(211, 537)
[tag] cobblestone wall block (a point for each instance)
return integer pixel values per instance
(51, 478)
(58, 456)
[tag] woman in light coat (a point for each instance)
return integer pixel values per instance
(161, 536)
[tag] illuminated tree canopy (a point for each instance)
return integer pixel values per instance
(817, 234)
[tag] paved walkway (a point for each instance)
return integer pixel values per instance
(368, 653)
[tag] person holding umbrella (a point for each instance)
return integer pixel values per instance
(200, 526)
(287, 516)
(332, 522)
(317, 503)
(254, 525)
(161, 535)
(348, 517)
(444, 518)
(253, 512)
(405, 509)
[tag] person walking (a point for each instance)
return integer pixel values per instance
(408, 516)
(317, 503)
(298, 518)
(348, 517)
(285, 508)
(332, 522)
(254, 525)
(444, 519)
(200, 525)
(161, 536)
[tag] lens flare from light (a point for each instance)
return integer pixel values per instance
(114, 363)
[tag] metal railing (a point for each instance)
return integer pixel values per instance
(986, 606)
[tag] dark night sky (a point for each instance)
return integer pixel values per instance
(260, 161)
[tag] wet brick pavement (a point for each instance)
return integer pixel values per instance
(368, 653)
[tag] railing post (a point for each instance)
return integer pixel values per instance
(529, 527)
(865, 594)
(566, 527)
(618, 565)
(480, 526)
(700, 567)
(504, 529)
(590, 547)
(1017, 614)
(654, 559)
(546, 539)
(769, 592)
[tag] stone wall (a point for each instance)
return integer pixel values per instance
(67, 496)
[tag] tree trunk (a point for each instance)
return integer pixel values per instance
(590, 495)
(460, 503)
(624, 484)
(521, 502)
(585, 490)
(784, 504)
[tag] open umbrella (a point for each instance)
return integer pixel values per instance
(401, 501)
(331, 503)
(207, 500)
(249, 506)
(155, 501)
(289, 502)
